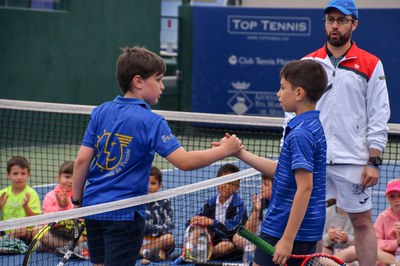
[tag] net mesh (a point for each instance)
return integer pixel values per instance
(50, 134)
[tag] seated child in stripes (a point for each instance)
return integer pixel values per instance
(19, 200)
(158, 241)
(223, 214)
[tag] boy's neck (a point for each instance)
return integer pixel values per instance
(302, 108)
(17, 189)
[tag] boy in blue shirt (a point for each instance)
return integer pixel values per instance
(117, 151)
(223, 214)
(296, 214)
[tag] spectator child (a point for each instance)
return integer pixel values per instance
(223, 214)
(387, 229)
(338, 230)
(59, 199)
(260, 206)
(158, 240)
(19, 200)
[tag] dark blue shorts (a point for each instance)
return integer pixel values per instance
(299, 248)
(115, 242)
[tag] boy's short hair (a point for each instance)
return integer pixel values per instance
(265, 177)
(154, 171)
(137, 61)
(229, 169)
(18, 160)
(66, 168)
(309, 75)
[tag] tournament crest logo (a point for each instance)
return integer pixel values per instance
(110, 150)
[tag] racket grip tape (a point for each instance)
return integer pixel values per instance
(256, 240)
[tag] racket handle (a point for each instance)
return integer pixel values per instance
(259, 242)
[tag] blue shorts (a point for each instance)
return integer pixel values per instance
(299, 248)
(115, 242)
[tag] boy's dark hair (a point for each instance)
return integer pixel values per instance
(307, 74)
(137, 61)
(265, 177)
(66, 168)
(18, 160)
(154, 171)
(227, 169)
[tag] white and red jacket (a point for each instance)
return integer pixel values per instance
(355, 107)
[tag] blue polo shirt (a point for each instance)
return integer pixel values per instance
(125, 135)
(304, 147)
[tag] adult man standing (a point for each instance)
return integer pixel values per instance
(354, 112)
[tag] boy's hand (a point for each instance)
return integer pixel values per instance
(202, 220)
(3, 200)
(26, 199)
(256, 202)
(283, 249)
(231, 143)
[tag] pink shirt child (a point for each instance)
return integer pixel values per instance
(50, 203)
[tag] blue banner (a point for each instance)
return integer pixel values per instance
(239, 52)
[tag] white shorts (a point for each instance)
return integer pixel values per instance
(343, 182)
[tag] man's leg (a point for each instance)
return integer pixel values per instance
(364, 238)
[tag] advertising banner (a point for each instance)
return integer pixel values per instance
(238, 53)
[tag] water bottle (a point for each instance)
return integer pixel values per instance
(202, 248)
(248, 254)
(398, 256)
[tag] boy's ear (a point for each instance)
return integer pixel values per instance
(137, 82)
(300, 93)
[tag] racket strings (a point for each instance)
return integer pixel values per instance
(320, 261)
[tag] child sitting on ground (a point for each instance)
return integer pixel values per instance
(158, 242)
(59, 199)
(260, 206)
(387, 229)
(223, 214)
(19, 200)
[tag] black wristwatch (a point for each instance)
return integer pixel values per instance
(76, 202)
(375, 161)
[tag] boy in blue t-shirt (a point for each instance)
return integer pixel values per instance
(296, 214)
(117, 151)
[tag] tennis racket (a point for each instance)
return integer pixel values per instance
(191, 251)
(310, 259)
(54, 238)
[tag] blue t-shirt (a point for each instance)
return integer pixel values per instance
(304, 147)
(125, 135)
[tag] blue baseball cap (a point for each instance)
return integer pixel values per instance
(347, 7)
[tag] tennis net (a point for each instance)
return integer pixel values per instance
(48, 134)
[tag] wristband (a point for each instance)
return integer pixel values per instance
(373, 166)
(76, 202)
